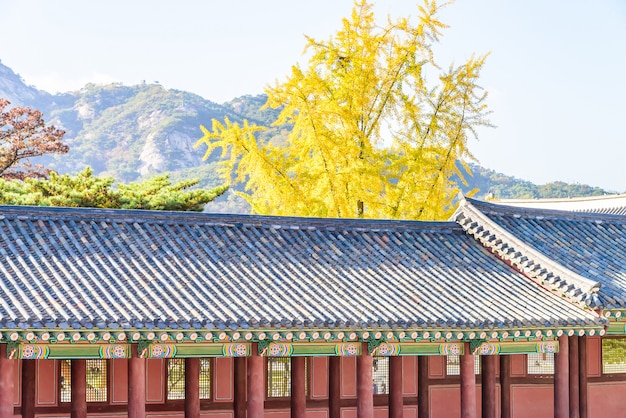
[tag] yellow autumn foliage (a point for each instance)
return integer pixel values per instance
(371, 136)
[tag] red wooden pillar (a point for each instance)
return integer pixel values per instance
(240, 387)
(561, 379)
(298, 387)
(136, 384)
(396, 398)
(28, 388)
(7, 386)
(256, 384)
(505, 386)
(582, 376)
(574, 388)
(334, 387)
(364, 385)
(79, 389)
(488, 382)
(422, 387)
(192, 388)
(468, 384)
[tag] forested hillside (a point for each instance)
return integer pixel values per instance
(497, 185)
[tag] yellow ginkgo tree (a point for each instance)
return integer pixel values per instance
(371, 135)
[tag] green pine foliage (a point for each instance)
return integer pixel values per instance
(86, 190)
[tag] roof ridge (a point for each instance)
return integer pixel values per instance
(146, 216)
(531, 262)
(545, 212)
(605, 197)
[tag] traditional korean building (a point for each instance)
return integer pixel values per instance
(137, 313)
(569, 251)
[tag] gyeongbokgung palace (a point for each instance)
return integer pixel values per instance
(503, 311)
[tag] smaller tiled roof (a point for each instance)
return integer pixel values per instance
(614, 204)
(116, 269)
(588, 248)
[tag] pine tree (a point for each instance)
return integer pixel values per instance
(86, 190)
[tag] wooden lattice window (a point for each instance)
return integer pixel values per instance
(540, 363)
(66, 381)
(380, 375)
(176, 378)
(453, 365)
(97, 380)
(613, 355)
(279, 377)
(205, 378)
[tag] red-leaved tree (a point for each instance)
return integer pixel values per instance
(23, 135)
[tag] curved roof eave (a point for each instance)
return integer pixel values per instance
(535, 265)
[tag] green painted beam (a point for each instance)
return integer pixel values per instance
(616, 328)
(286, 349)
(199, 350)
(309, 349)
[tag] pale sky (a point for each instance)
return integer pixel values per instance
(555, 75)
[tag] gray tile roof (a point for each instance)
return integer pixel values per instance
(588, 245)
(609, 204)
(106, 269)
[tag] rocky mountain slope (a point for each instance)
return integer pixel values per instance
(133, 132)
(128, 132)
(13, 88)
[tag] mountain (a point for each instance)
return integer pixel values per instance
(130, 132)
(493, 184)
(133, 132)
(13, 88)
